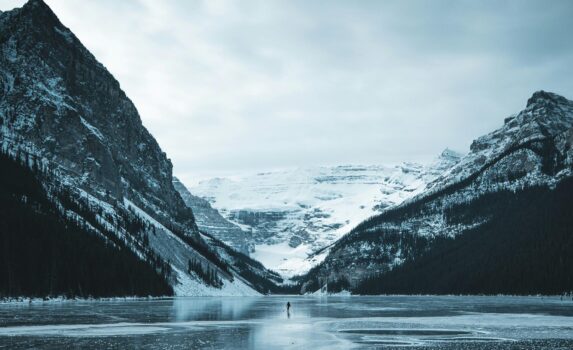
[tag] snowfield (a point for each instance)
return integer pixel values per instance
(295, 213)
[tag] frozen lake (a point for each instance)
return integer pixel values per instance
(314, 323)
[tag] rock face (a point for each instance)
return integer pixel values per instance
(60, 103)
(532, 148)
(292, 214)
(519, 143)
(210, 220)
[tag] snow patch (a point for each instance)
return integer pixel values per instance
(95, 131)
(190, 287)
(65, 33)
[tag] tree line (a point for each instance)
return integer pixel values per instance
(46, 253)
(525, 248)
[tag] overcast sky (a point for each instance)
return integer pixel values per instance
(234, 86)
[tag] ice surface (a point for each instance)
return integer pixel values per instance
(388, 322)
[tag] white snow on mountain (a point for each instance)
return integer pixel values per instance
(294, 213)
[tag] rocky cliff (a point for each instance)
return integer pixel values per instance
(209, 220)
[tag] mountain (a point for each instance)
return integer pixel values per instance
(64, 114)
(210, 220)
(526, 147)
(528, 160)
(294, 213)
(59, 102)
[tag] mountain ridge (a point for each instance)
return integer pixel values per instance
(532, 148)
(71, 89)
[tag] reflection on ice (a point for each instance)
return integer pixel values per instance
(419, 332)
(206, 308)
(314, 323)
(82, 330)
(416, 336)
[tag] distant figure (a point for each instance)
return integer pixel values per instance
(288, 309)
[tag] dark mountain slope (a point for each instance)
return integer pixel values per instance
(46, 253)
(526, 248)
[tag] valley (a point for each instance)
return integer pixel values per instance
(77, 158)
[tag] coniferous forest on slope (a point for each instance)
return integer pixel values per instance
(45, 254)
(526, 248)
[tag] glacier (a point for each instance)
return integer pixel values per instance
(292, 215)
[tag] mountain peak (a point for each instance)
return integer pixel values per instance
(546, 97)
(36, 5)
(40, 13)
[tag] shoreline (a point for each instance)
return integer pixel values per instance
(53, 300)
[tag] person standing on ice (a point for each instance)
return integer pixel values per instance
(288, 309)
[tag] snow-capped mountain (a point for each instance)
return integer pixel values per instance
(531, 149)
(294, 213)
(62, 109)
